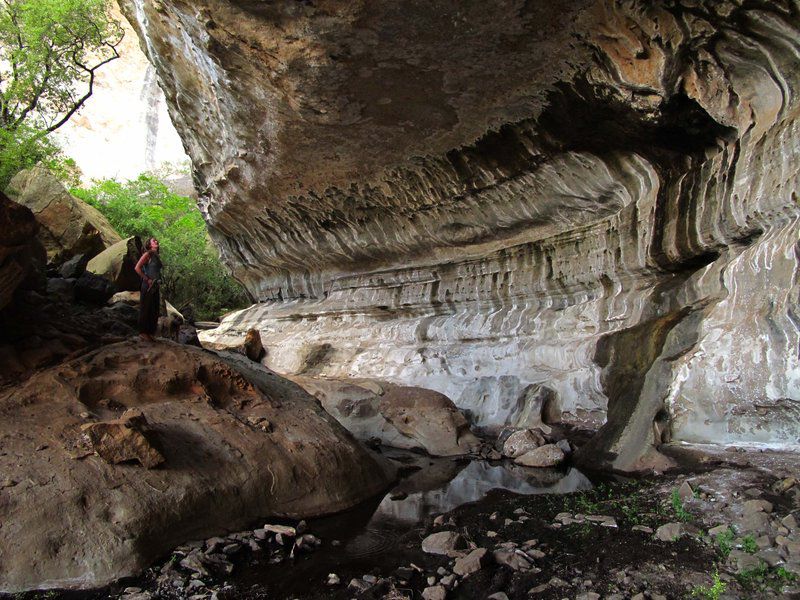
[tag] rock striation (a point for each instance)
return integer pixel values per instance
(67, 226)
(595, 197)
(114, 458)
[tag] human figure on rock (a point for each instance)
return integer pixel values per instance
(149, 269)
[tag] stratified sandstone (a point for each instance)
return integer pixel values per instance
(595, 196)
(71, 518)
(67, 226)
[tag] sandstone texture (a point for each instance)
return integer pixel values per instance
(68, 226)
(397, 416)
(114, 458)
(595, 196)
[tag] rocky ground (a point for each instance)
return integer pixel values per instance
(725, 528)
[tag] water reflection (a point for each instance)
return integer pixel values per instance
(382, 534)
(441, 487)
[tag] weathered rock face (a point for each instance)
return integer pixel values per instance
(68, 226)
(595, 196)
(73, 518)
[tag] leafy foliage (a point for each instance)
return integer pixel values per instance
(26, 147)
(193, 275)
(50, 51)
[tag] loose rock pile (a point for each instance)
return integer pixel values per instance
(197, 570)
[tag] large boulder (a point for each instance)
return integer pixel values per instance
(117, 262)
(21, 255)
(400, 417)
(68, 226)
(429, 417)
(74, 519)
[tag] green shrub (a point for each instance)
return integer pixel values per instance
(23, 148)
(193, 275)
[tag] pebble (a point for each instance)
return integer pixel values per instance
(358, 585)
(333, 579)
(685, 492)
(498, 596)
(470, 563)
(642, 528)
(669, 532)
(281, 529)
(718, 530)
(443, 542)
(436, 592)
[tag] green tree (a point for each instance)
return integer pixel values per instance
(193, 275)
(50, 51)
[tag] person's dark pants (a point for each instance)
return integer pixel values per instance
(149, 306)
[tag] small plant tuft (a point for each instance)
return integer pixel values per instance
(677, 507)
(712, 592)
(725, 542)
(749, 544)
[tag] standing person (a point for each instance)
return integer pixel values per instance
(149, 269)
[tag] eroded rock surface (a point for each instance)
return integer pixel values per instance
(72, 519)
(397, 416)
(68, 226)
(598, 197)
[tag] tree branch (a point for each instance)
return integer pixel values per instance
(82, 100)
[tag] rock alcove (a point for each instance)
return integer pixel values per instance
(511, 218)
(595, 198)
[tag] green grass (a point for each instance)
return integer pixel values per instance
(712, 592)
(763, 577)
(784, 576)
(725, 542)
(749, 544)
(677, 507)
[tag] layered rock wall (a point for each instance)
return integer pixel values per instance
(596, 197)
